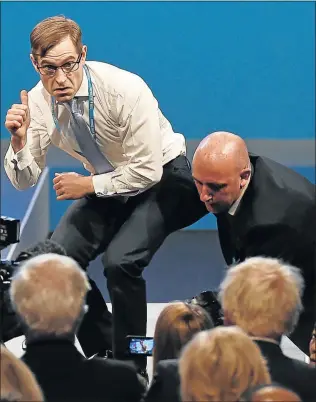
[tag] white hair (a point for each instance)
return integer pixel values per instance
(49, 292)
(263, 296)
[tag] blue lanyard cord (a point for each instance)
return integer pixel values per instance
(91, 105)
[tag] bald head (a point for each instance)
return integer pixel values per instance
(221, 158)
(222, 146)
(271, 393)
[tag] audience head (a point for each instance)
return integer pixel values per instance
(262, 296)
(48, 292)
(42, 247)
(221, 169)
(176, 325)
(17, 381)
(270, 393)
(220, 365)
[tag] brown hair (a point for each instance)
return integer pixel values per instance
(220, 365)
(17, 381)
(51, 31)
(176, 325)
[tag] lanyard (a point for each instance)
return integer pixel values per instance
(91, 106)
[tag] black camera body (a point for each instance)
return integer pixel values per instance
(11, 326)
(209, 301)
(7, 269)
(9, 231)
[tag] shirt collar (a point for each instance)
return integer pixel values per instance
(83, 90)
(232, 210)
(270, 340)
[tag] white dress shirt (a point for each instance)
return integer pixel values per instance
(130, 129)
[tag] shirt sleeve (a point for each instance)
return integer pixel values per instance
(24, 167)
(141, 143)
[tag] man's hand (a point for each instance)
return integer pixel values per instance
(17, 122)
(71, 186)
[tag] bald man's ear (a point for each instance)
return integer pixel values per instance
(244, 177)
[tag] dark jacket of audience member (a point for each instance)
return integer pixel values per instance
(67, 376)
(291, 373)
(165, 385)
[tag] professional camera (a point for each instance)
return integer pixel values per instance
(209, 301)
(9, 231)
(10, 324)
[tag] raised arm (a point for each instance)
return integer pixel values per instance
(26, 156)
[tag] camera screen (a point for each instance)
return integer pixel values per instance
(141, 346)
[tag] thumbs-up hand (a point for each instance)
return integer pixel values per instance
(18, 118)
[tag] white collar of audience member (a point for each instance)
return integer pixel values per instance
(232, 210)
(257, 338)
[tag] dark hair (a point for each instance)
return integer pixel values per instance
(43, 247)
(176, 325)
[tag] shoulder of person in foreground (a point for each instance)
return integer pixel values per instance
(119, 376)
(165, 382)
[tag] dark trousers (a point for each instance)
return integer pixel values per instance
(129, 234)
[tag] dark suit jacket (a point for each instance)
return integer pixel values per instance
(66, 376)
(165, 385)
(291, 373)
(276, 218)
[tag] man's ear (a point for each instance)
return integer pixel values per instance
(34, 62)
(84, 53)
(244, 176)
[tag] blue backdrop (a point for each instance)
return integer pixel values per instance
(248, 67)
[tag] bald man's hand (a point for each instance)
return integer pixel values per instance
(18, 121)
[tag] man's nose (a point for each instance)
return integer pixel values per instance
(60, 76)
(205, 194)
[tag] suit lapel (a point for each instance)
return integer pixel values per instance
(225, 238)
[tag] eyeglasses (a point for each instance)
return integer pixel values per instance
(67, 68)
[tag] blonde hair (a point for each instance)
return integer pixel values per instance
(175, 326)
(17, 381)
(262, 296)
(219, 365)
(49, 292)
(51, 31)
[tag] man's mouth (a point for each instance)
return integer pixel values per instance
(61, 89)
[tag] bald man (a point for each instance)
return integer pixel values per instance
(262, 208)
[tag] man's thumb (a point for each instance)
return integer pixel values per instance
(24, 97)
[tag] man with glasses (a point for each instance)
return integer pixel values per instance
(140, 188)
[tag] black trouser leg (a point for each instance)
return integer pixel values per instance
(170, 205)
(84, 231)
(95, 331)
